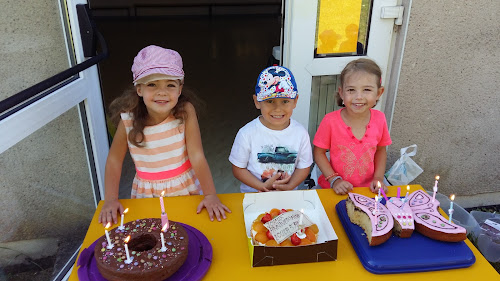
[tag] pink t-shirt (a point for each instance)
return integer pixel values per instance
(350, 157)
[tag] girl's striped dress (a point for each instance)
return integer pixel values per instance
(162, 164)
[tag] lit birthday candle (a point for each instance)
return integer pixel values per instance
(164, 216)
(399, 193)
(121, 227)
(450, 211)
(435, 189)
(128, 260)
(376, 203)
(300, 233)
(161, 202)
(110, 245)
(163, 248)
(383, 192)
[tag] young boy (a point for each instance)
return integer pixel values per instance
(273, 151)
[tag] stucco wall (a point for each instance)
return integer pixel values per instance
(32, 44)
(448, 102)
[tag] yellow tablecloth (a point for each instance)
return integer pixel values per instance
(231, 259)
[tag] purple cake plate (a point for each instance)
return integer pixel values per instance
(195, 267)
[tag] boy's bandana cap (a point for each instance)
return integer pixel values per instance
(275, 82)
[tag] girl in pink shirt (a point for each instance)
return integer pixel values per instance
(355, 135)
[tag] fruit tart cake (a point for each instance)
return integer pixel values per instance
(261, 236)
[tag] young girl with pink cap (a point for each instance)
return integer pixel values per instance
(356, 135)
(159, 126)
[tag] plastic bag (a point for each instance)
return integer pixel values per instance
(404, 170)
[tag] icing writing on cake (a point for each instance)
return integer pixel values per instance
(286, 224)
(380, 216)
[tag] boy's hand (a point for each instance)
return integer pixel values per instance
(341, 186)
(374, 185)
(282, 184)
(109, 211)
(214, 206)
(268, 184)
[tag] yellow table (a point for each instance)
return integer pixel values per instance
(231, 259)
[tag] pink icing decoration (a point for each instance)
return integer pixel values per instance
(425, 212)
(381, 221)
(402, 215)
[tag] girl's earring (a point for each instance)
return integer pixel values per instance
(342, 102)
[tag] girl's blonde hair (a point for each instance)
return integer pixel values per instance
(362, 64)
(130, 102)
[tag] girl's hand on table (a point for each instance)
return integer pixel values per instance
(109, 211)
(374, 188)
(341, 186)
(214, 207)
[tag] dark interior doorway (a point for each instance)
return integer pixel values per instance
(223, 53)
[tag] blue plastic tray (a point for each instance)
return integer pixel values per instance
(402, 255)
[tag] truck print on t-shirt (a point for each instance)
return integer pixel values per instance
(276, 159)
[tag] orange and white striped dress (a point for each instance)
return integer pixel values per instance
(162, 164)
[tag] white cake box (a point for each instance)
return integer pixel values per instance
(325, 248)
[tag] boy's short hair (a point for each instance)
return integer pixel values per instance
(275, 82)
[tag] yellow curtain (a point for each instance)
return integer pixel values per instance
(338, 26)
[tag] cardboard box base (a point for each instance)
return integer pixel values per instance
(267, 256)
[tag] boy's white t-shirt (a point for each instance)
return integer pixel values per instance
(264, 151)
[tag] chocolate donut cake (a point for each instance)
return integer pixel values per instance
(148, 261)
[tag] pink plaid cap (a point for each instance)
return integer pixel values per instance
(154, 60)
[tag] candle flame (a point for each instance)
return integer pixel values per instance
(452, 197)
(127, 239)
(162, 193)
(378, 184)
(408, 187)
(126, 210)
(107, 225)
(437, 177)
(164, 227)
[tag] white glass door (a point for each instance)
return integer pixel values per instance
(322, 36)
(53, 143)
